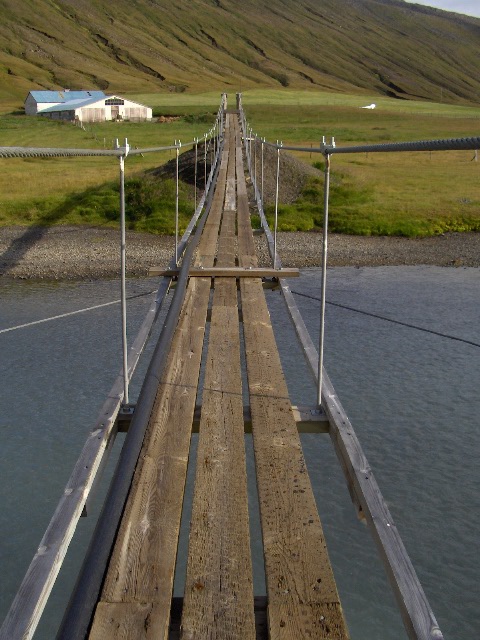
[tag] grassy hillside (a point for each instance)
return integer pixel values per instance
(385, 47)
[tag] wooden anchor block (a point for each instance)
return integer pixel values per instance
(228, 272)
(309, 419)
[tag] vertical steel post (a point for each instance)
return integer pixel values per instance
(178, 145)
(205, 160)
(250, 151)
(255, 164)
(263, 142)
(210, 144)
(276, 207)
(195, 170)
(123, 273)
(324, 277)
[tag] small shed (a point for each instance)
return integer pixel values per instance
(91, 108)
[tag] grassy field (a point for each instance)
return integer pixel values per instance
(72, 190)
(411, 194)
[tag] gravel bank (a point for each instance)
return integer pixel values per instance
(75, 253)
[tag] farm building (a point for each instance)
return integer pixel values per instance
(84, 106)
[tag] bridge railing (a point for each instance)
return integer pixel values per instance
(417, 615)
(32, 596)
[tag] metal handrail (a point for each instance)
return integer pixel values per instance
(446, 144)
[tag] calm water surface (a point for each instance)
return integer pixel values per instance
(411, 396)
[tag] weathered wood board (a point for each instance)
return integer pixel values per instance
(218, 601)
(302, 596)
(142, 566)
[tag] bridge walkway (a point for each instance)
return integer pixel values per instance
(302, 599)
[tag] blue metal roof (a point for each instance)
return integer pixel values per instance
(71, 105)
(62, 97)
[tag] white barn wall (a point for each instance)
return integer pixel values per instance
(91, 114)
(99, 111)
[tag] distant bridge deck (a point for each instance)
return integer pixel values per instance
(136, 598)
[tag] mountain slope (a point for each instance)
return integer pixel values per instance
(379, 46)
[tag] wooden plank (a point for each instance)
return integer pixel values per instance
(302, 595)
(301, 587)
(142, 566)
(229, 272)
(218, 600)
(140, 620)
(206, 253)
(246, 247)
(141, 569)
(260, 608)
(219, 591)
(230, 191)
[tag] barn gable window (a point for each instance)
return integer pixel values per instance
(114, 102)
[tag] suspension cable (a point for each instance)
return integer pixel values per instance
(73, 313)
(386, 319)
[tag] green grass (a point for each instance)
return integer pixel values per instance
(149, 205)
(33, 191)
(410, 194)
(318, 98)
(405, 194)
(362, 210)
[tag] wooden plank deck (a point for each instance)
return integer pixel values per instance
(302, 598)
(218, 601)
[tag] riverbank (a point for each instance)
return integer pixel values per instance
(78, 253)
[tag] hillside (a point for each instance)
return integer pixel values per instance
(377, 46)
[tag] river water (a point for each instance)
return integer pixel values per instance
(412, 397)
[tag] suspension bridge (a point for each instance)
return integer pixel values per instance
(218, 319)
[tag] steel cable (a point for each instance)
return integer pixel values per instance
(400, 322)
